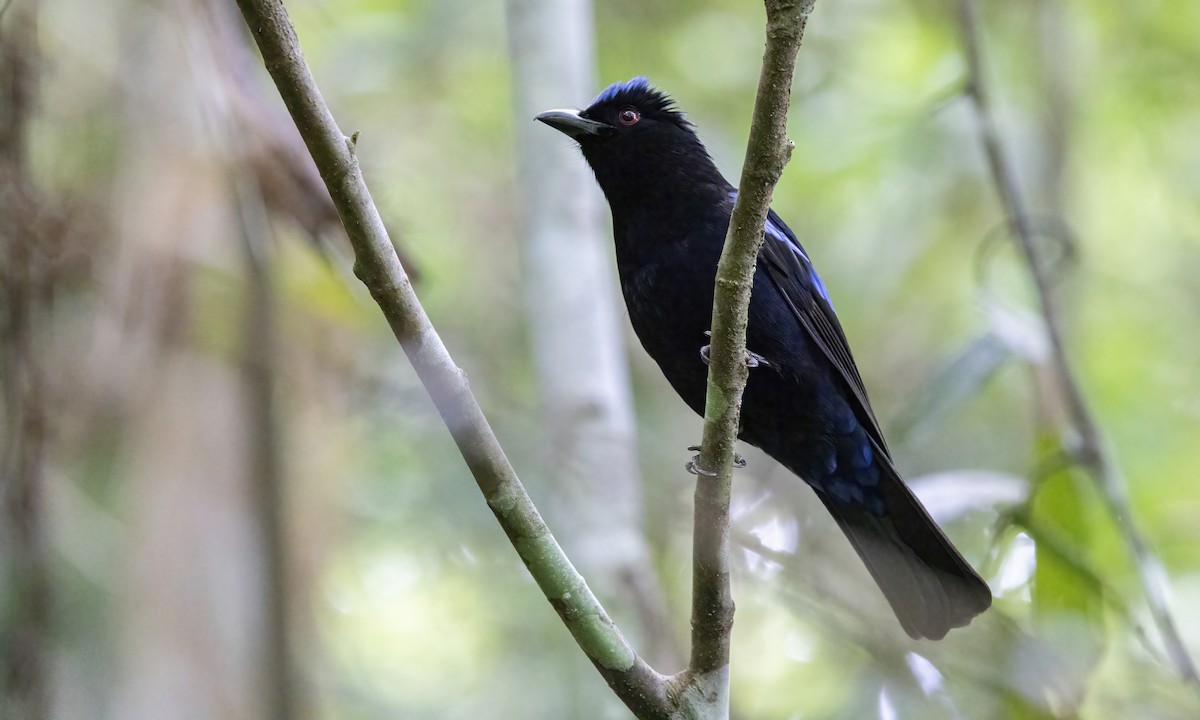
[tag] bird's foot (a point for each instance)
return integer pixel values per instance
(753, 359)
(693, 465)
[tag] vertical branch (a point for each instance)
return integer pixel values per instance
(767, 151)
(1092, 452)
(24, 274)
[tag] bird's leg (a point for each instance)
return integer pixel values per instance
(693, 465)
(753, 359)
(704, 351)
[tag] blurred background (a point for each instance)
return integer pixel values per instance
(226, 495)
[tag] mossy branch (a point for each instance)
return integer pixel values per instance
(767, 152)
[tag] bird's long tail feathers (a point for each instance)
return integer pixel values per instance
(929, 585)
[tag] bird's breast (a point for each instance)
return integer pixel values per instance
(670, 307)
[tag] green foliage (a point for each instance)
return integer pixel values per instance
(1068, 606)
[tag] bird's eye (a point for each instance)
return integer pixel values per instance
(629, 116)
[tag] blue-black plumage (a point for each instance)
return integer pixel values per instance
(806, 405)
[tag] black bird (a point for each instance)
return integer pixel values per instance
(805, 404)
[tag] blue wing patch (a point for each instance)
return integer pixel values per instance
(776, 229)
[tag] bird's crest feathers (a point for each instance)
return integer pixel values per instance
(639, 84)
(639, 93)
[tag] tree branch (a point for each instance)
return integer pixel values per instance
(376, 264)
(1092, 452)
(767, 151)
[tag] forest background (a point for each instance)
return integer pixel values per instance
(196, 389)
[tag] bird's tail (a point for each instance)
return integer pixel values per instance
(929, 585)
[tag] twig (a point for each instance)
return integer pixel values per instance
(767, 151)
(1092, 452)
(637, 684)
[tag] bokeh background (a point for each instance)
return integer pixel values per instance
(226, 495)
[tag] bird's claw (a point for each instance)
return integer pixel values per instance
(753, 359)
(693, 465)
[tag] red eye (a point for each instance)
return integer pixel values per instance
(629, 116)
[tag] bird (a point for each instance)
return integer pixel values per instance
(805, 404)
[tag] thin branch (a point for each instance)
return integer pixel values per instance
(1092, 452)
(767, 151)
(637, 684)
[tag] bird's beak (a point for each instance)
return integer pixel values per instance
(570, 123)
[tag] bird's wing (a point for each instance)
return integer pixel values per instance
(792, 272)
(927, 582)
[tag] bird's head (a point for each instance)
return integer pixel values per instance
(636, 140)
